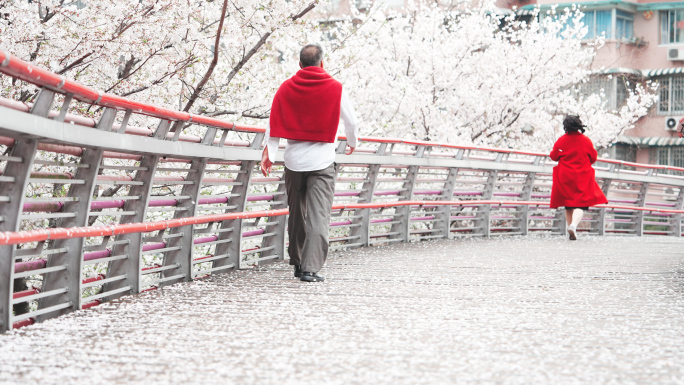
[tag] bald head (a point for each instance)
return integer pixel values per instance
(311, 55)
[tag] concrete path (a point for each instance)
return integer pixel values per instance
(532, 310)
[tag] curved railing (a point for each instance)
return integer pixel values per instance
(93, 209)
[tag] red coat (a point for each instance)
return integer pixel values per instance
(574, 180)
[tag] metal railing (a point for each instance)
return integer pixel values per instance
(96, 208)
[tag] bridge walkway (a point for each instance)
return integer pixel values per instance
(515, 310)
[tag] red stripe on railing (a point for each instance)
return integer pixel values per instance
(203, 258)
(25, 293)
(91, 304)
(8, 238)
(23, 323)
(98, 277)
(12, 238)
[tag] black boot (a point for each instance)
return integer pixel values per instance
(298, 271)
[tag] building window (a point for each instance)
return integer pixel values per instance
(624, 25)
(615, 89)
(624, 152)
(672, 26)
(668, 156)
(671, 92)
(622, 88)
(596, 85)
(609, 23)
(599, 23)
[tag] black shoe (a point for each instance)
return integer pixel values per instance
(298, 271)
(311, 277)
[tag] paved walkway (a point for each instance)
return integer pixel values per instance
(535, 310)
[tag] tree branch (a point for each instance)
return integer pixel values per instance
(128, 67)
(48, 15)
(261, 42)
(75, 63)
(245, 58)
(222, 112)
(214, 61)
(123, 26)
(126, 74)
(34, 54)
(209, 25)
(304, 11)
(264, 116)
(187, 62)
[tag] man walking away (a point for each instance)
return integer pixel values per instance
(306, 111)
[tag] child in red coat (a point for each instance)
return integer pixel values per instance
(574, 184)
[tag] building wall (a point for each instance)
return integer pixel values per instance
(653, 55)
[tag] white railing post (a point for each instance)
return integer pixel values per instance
(366, 196)
(232, 229)
(600, 225)
(80, 206)
(526, 195)
(484, 212)
(19, 165)
(404, 225)
(639, 215)
(279, 240)
(132, 243)
(677, 218)
(183, 237)
(11, 210)
(406, 194)
(362, 232)
(559, 221)
(447, 194)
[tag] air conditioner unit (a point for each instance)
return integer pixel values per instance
(672, 123)
(674, 54)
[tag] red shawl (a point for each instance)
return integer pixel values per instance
(307, 107)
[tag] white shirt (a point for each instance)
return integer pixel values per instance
(312, 156)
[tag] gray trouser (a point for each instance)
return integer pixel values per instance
(310, 196)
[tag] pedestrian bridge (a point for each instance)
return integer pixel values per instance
(508, 310)
(448, 265)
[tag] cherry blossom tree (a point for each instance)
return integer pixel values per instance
(465, 75)
(432, 70)
(157, 50)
